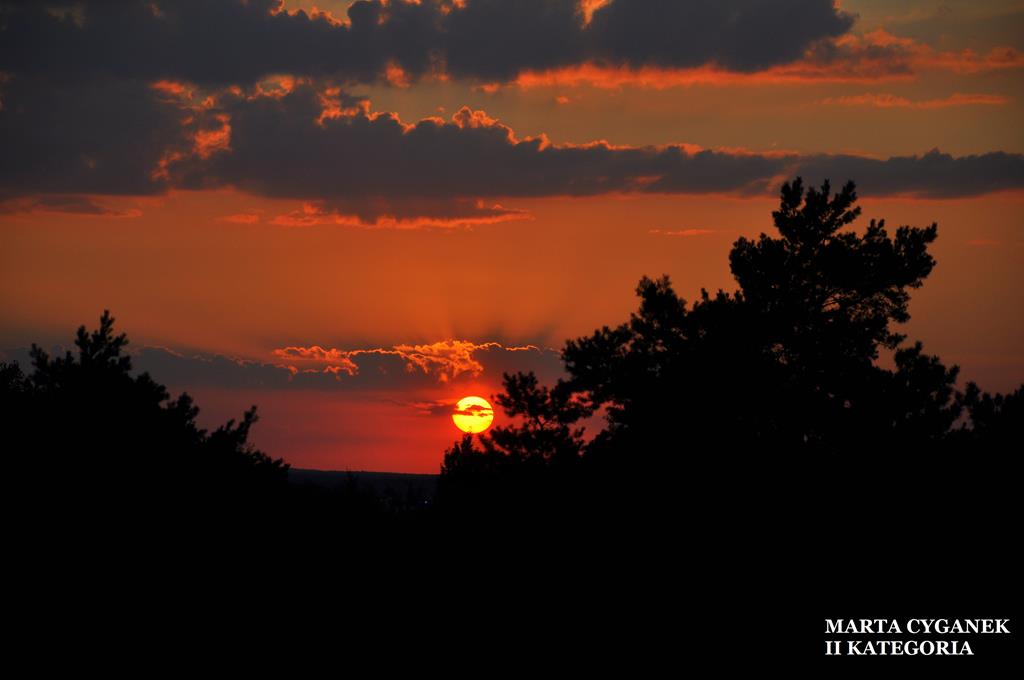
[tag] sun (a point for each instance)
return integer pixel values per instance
(473, 415)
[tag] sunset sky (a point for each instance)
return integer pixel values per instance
(354, 214)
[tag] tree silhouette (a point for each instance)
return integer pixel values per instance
(545, 421)
(91, 436)
(533, 462)
(826, 295)
(995, 423)
(790, 364)
(790, 359)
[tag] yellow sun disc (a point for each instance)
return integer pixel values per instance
(473, 415)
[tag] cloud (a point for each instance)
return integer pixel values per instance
(219, 43)
(63, 204)
(681, 232)
(398, 213)
(741, 36)
(376, 167)
(219, 93)
(361, 167)
(346, 164)
(104, 136)
(474, 410)
(224, 42)
(869, 58)
(879, 55)
(442, 361)
(379, 169)
(931, 175)
(423, 368)
(193, 370)
(891, 101)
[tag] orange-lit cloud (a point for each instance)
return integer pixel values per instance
(396, 76)
(444, 360)
(428, 368)
(588, 7)
(337, 104)
(171, 88)
(211, 141)
(873, 57)
(314, 13)
(398, 214)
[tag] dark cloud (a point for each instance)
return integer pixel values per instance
(281, 147)
(497, 39)
(72, 204)
(62, 203)
(220, 42)
(372, 164)
(743, 35)
(188, 371)
(401, 367)
(102, 136)
(202, 41)
(101, 99)
(932, 175)
(474, 410)
(346, 164)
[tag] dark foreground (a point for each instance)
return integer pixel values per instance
(736, 564)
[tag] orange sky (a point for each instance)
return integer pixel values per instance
(215, 271)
